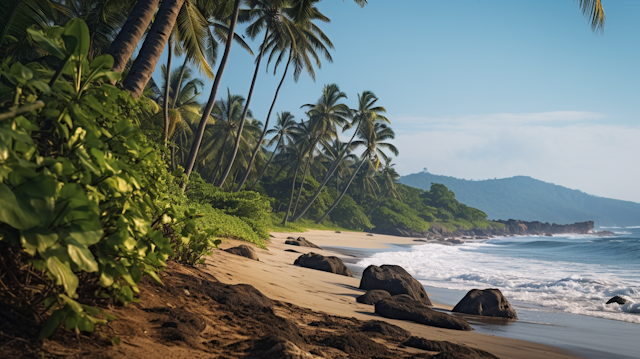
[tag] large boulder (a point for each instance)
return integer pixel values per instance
(373, 296)
(488, 303)
(328, 264)
(243, 250)
(617, 299)
(395, 280)
(419, 313)
(301, 242)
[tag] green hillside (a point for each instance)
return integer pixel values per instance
(529, 199)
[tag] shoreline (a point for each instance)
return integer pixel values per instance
(277, 277)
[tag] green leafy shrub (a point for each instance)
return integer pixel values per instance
(252, 208)
(348, 214)
(78, 183)
(392, 214)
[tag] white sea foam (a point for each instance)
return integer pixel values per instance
(623, 232)
(566, 286)
(632, 227)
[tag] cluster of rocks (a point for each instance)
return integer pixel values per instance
(512, 227)
(395, 294)
(300, 242)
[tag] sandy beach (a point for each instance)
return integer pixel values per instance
(276, 277)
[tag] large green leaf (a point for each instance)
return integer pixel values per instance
(63, 274)
(83, 258)
(47, 43)
(76, 38)
(15, 213)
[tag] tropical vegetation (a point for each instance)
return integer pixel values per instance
(106, 175)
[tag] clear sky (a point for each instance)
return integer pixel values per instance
(481, 89)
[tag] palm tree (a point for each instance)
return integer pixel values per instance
(152, 48)
(227, 119)
(595, 12)
(387, 182)
(267, 15)
(132, 31)
(285, 127)
(19, 15)
(195, 146)
(371, 137)
(367, 114)
(324, 115)
(303, 44)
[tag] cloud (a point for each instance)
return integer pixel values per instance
(570, 148)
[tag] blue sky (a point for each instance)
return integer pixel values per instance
(482, 89)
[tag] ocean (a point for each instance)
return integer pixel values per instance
(558, 285)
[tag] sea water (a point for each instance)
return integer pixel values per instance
(548, 280)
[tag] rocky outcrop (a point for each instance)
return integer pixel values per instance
(617, 299)
(488, 303)
(244, 251)
(512, 227)
(301, 242)
(395, 280)
(373, 296)
(417, 312)
(329, 264)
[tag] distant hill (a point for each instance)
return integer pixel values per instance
(529, 199)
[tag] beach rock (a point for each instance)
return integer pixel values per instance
(456, 241)
(373, 296)
(403, 298)
(338, 232)
(239, 296)
(617, 299)
(420, 240)
(291, 250)
(301, 242)
(290, 238)
(384, 328)
(548, 235)
(369, 235)
(327, 264)
(419, 313)
(488, 303)
(395, 280)
(243, 250)
(448, 349)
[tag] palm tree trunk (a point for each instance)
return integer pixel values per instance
(346, 187)
(167, 87)
(182, 138)
(244, 112)
(375, 204)
(267, 165)
(177, 89)
(129, 36)
(326, 178)
(293, 190)
(152, 48)
(264, 130)
(304, 177)
(195, 146)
